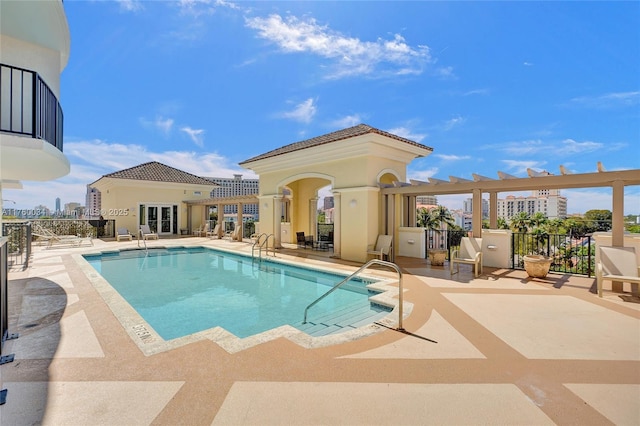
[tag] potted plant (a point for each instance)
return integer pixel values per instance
(537, 263)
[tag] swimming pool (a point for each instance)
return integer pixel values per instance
(182, 291)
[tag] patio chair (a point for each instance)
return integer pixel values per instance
(300, 239)
(470, 252)
(123, 234)
(214, 233)
(617, 264)
(147, 234)
(201, 230)
(382, 247)
(235, 234)
(53, 239)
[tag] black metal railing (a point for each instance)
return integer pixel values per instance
(28, 106)
(573, 255)
(18, 243)
(443, 239)
(4, 279)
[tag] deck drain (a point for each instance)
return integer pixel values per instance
(143, 334)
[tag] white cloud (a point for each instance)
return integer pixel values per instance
(347, 121)
(350, 56)
(567, 147)
(303, 112)
(164, 125)
(609, 100)
(407, 133)
(130, 5)
(456, 121)
(570, 147)
(196, 135)
(520, 167)
(452, 157)
(422, 174)
(476, 92)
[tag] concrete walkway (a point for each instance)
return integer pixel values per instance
(499, 349)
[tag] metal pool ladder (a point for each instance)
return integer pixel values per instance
(362, 268)
(260, 244)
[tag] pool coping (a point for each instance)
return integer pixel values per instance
(150, 343)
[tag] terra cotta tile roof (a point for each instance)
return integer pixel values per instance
(158, 172)
(360, 129)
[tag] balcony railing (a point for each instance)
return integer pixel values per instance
(28, 106)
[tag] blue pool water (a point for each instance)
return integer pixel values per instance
(186, 290)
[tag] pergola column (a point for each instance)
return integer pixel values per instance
(476, 222)
(493, 210)
(221, 229)
(617, 224)
(411, 214)
(336, 223)
(239, 217)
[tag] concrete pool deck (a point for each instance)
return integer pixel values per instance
(497, 349)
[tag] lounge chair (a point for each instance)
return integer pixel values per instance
(52, 238)
(146, 233)
(123, 234)
(236, 233)
(470, 252)
(201, 230)
(617, 264)
(214, 233)
(382, 247)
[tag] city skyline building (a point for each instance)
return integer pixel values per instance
(232, 187)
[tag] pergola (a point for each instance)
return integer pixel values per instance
(401, 196)
(219, 203)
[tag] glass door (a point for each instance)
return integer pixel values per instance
(166, 219)
(152, 218)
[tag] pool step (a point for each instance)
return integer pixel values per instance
(347, 318)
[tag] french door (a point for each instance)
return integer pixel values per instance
(162, 219)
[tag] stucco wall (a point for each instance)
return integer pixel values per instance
(122, 203)
(45, 62)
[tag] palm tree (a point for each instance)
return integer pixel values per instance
(425, 220)
(521, 222)
(442, 215)
(502, 223)
(538, 220)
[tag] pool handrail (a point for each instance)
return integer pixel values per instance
(260, 245)
(362, 268)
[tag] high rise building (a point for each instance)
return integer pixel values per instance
(231, 187)
(328, 203)
(468, 207)
(57, 205)
(93, 202)
(552, 206)
(426, 200)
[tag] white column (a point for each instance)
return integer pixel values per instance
(277, 220)
(240, 223)
(313, 218)
(493, 210)
(476, 222)
(336, 223)
(617, 224)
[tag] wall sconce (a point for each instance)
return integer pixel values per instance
(411, 241)
(353, 203)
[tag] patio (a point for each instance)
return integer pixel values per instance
(498, 349)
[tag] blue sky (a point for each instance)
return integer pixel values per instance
(490, 86)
